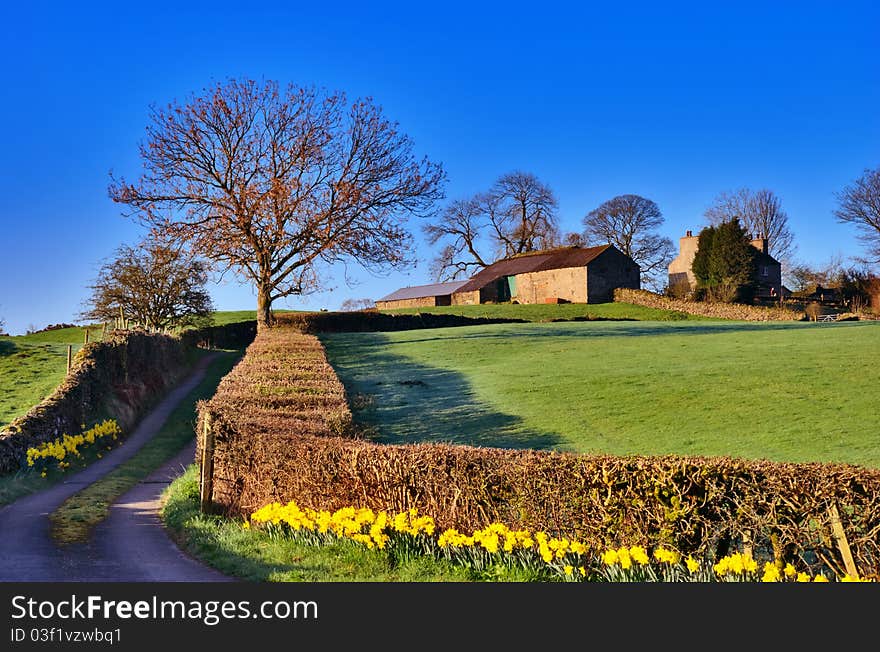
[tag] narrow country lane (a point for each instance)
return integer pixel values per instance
(130, 545)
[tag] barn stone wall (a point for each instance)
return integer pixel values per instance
(465, 298)
(569, 284)
(611, 270)
(420, 302)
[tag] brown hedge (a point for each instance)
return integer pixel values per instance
(698, 505)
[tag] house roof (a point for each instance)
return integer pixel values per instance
(420, 291)
(766, 259)
(534, 261)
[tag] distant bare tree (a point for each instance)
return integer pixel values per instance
(859, 204)
(630, 223)
(761, 214)
(153, 284)
(351, 305)
(516, 215)
(806, 277)
(271, 182)
(574, 240)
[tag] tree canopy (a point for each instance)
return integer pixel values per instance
(517, 214)
(761, 214)
(724, 264)
(630, 223)
(154, 284)
(272, 182)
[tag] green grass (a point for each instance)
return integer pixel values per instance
(234, 316)
(31, 366)
(780, 391)
(73, 521)
(254, 555)
(562, 311)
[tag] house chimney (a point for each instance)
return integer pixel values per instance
(689, 234)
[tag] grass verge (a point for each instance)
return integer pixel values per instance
(73, 521)
(255, 555)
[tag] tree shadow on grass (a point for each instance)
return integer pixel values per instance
(408, 402)
(7, 347)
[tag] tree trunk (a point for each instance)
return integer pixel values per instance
(264, 309)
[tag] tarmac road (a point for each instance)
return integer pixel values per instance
(130, 545)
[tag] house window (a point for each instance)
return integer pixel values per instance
(765, 270)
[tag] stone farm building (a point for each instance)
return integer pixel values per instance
(768, 270)
(562, 275)
(420, 296)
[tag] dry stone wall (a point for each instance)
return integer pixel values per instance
(735, 311)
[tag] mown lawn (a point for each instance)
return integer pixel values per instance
(781, 391)
(563, 311)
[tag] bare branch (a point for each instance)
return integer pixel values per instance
(630, 222)
(270, 182)
(761, 214)
(859, 205)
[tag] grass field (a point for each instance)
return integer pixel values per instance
(31, 366)
(780, 391)
(562, 311)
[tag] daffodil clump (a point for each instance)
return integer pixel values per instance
(60, 451)
(410, 534)
(406, 533)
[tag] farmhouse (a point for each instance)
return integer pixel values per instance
(562, 275)
(420, 296)
(768, 270)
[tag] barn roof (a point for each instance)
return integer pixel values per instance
(420, 291)
(534, 261)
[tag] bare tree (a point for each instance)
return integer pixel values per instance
(154, 284)
(459, 227)
(522, 212)
(350, 305)
(573, 239)
(516, 215)
(761, 214)
(859, 204)
(630, 223)
(272, 182)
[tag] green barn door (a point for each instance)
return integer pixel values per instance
(511, 286)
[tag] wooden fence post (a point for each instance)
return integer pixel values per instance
(206, 484)
(87, 337)
(842, 543)
(69, 355)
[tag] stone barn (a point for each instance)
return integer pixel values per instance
(562, 275)
(420, 296)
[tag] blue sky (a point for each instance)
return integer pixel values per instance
(673, 101)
